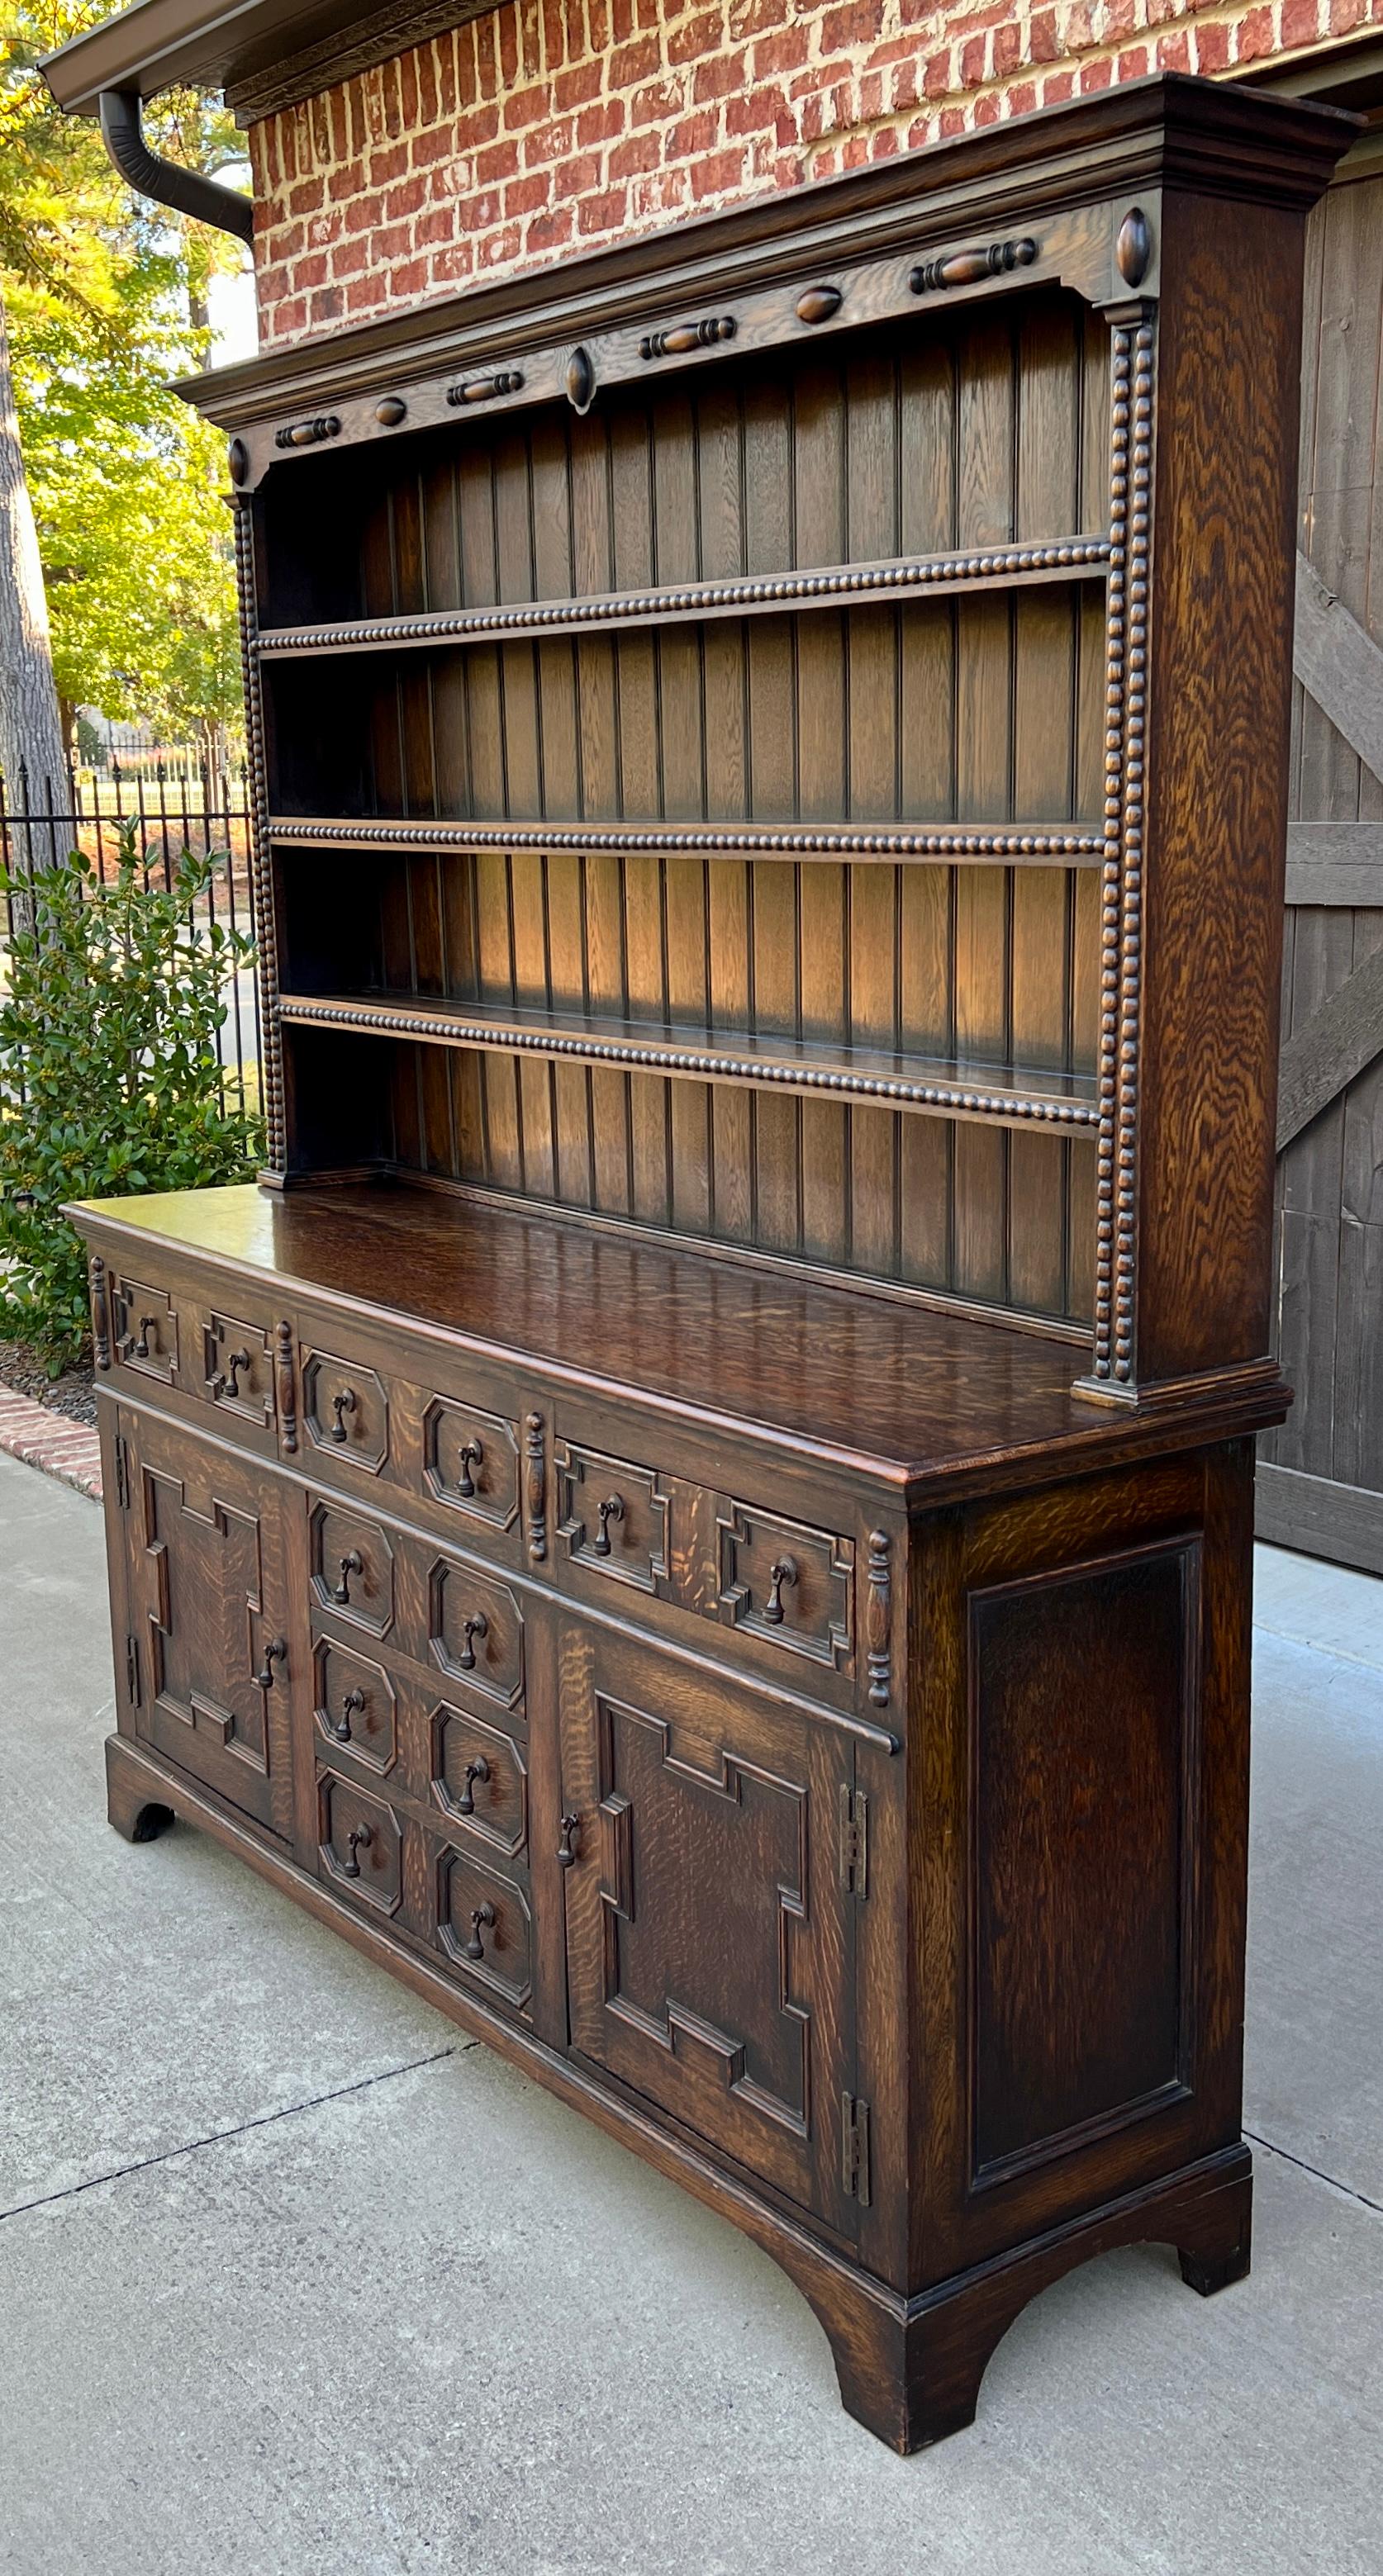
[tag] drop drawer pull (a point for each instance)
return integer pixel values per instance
(358, 1839)
(783, 1570)
(276, 1652)
(351, 1706)
(477, 1770)
(341, 1404)
(612, 1509)
(479, 1626)
(228, 1386)
(480, 1915)
(351, 1563)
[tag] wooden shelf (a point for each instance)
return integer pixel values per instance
(830, 586)
(1038, 844)
(1012, 1095)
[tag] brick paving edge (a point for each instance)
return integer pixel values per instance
(68, 1450)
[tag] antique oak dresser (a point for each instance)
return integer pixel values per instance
(700, 1511)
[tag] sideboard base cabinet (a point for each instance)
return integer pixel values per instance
(859, 1835)
(701, 1510)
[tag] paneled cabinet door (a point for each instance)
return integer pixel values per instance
(710, 1950)
(207, 1661)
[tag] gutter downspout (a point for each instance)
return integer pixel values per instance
(122, 132)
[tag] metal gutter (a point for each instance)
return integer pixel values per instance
(270, 52)
(162, 44)
(122, 131)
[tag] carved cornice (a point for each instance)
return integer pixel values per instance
(999, 182)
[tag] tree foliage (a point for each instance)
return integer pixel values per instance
(107, 299)
(109, 1080)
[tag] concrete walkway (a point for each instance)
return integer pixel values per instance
(296, 2282)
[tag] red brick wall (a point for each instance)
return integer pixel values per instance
(551, 125)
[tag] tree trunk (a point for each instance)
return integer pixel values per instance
(32, 755)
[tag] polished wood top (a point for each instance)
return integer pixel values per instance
(924, 1398)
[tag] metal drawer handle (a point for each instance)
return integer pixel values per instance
(783, 1570)
(610, 1510)
(357, 1840)
(480, 1914)
(565, 1851)
(228, 1385)
(351, 1563)
(276, 1652)
(477, 1770)
(342, 1403)
(473, 1455)
(351, 1706)
(147, 1324)
(479, 1626)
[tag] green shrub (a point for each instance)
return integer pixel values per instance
(109, 1082)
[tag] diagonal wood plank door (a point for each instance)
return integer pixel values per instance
(1321, 1476)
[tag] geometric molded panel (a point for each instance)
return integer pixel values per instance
(475, 1630)
(354, 1705)
(484, 1925)
(144, 1325)
(479, 1778)
(352, 1566)
(346, 1410)
(788, 1583)
(613, 1515)
(670, 1833)
(359, 1844)
(206, 1616)
(471, 1461)
(237, 1369)
(1083, 1693)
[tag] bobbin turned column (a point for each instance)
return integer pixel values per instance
(1203, 460)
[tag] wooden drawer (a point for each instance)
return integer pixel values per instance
(484, 1925)
(144, 1329)
(478, 1778)
(455, 1442)
(236, 1359)
(345, 1410)
(471, 1464)
(613, 1517)
(352, 1566)
(435, 1608)
(355, 1705)
(631, 1525)
(180, 1343)
(359, 1845)
(449, 1898)
(474, 1626)
(785, 1582)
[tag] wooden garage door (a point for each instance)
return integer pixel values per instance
(1321, 1476)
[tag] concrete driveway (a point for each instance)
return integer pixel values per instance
(295, 2281)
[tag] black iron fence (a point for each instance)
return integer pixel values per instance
(182, 803)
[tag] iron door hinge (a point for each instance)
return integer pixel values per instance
(853, 1845)
(132, 1670)
(854, 2148)
(122, 1473)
